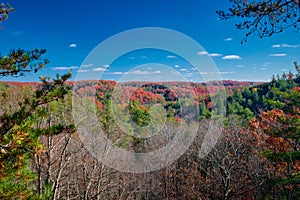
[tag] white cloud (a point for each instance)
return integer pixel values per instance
(252, 80)
(177, 66)
(203, 73)
(183, 70)
(87, 65)
(278, 54)
(202, 53)
(73, 45)
(106, 66)
(286, 45)
(263, 68)
(241, 66)
(266, 64)
(276, 46)
(229, 72)
(60, 68)
(232, 57)
(99, 69)
(17, 33)
(169, 56)
(227, 39)
(290, 46)
(214, 55)
(117, 73)
(140, 72)
(82, 70)
(64, 68)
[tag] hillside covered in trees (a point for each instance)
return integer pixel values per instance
(256, 156)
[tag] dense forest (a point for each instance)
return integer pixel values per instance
(256, 157)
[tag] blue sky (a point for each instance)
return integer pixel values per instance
(70, 30)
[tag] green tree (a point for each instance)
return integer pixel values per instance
(5, 9)
(18, 62)
(240, 103)
(282, 125)
(19, 138)
(139, 114)
(19, 132)
(263, 18)
(204, 112)
(219, 104)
